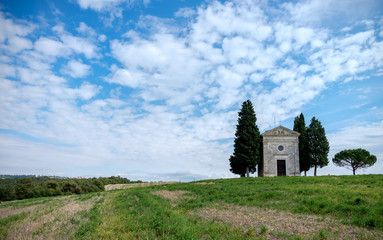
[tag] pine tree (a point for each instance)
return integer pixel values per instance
(354, 159)
(247, 140)
(318, 145)
(304, 160)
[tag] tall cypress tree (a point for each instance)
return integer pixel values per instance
(304, 160)
(247, 140)
(318, 145)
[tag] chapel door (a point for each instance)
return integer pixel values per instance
(281, 167)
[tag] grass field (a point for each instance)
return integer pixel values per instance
(326, 207)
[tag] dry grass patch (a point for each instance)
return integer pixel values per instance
(57, 219)
(274, 224)
(174, 196)
(205, 183)
(171, 195)
(134, 185)
(9, 211)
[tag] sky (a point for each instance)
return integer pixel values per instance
(151, 89)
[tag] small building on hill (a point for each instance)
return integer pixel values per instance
(280, 153)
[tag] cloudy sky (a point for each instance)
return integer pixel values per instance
(151, 89)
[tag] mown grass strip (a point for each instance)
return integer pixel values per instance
(5, 222)
(139, 214)
(92, 219)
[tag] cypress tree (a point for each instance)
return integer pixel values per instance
(318, 145)
(247, 140)
(304, 160)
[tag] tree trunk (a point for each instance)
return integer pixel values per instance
(305, 173)
(315, 170)
(247, 171)
(353, 171)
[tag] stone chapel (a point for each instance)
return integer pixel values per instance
(280, 153)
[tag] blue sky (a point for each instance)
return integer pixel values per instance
(150, 89)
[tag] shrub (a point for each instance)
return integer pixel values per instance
(71, 187)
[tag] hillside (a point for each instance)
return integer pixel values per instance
(327, 207)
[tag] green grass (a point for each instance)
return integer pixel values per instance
(137, 213)
(355, 200)
(9, 220)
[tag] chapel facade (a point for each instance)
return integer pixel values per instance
(280, 155)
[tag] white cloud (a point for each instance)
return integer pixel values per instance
(86, 30)
(99, 5)
(140, 54)
(66, 44)
(102, 38)
(170, 69)
(364, 135)
(330, 12)
(88, 91)
(17, 44)
(51, 47)
(13, 35)
(238, 36)
(90, 33)
(39, 77)
(146, 2)
(126, 78)
(7, 70)
(80, 46)
(10, 28)
(76, 69)
(303, 35)
(107, 5)
(185, 12)
(179, 87)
